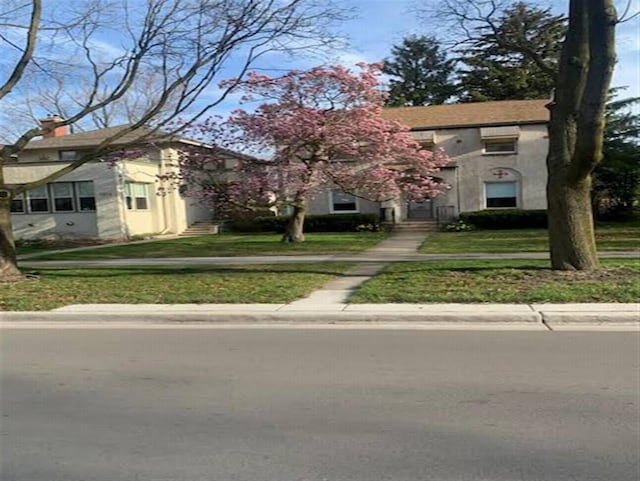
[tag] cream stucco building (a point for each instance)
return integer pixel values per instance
(99, 199)
(498, 152)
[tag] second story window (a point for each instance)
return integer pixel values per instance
(501, 140)
(503, 146)
(68, 155)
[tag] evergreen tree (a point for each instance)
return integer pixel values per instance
(420, 73)
(616, 185)
(496, 63)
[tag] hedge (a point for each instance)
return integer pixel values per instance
(312, 223)
(506, 219)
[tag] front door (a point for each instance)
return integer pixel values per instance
(420, 210)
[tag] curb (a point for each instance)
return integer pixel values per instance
(294, 317)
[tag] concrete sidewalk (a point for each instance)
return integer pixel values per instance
(369, 256)
(329, 304)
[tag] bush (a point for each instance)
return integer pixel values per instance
(312, 223)
(458, 226)
(506, 219)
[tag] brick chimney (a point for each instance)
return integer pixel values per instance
(58, 131)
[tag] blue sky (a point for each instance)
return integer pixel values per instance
(376, 26)
(379, 24)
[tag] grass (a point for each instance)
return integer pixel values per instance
(500, 281)
(230, 245)
(244, 284)
(609, 237)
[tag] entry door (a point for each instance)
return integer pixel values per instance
(420, 210)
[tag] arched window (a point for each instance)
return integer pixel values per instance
(502, 189)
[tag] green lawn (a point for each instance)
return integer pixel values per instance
(244, 284)
(500, 281)
(231, 245)
(609, 237)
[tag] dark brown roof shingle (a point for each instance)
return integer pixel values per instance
(95, 137)
(504, 112)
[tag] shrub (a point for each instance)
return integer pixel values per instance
(312, 223)
(506, 219)
(458, 226)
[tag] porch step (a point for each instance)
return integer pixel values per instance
(200, 228)
(417, 226)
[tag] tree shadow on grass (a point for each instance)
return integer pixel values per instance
(110, 272)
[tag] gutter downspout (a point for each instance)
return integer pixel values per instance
(122, 201)
(166, 228)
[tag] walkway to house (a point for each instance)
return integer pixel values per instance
(335, 293)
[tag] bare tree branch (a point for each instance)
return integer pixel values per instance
(27, 53)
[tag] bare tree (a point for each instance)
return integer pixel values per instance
(183, 44)
(582, 79)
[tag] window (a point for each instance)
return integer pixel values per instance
(38, 199)
(62, 194)
(136, 196)
(342, 202)
(501, 194)
(68, 154)
(503, 146)
(86, 196)
(17, 204)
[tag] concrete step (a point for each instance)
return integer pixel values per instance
(200, 228)
(417, 226)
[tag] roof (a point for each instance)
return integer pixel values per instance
(95, 137)
(503, 112)
(92, 138)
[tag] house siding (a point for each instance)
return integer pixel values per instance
(105, 222)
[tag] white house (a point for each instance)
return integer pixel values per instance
(100, 199)
(498, 151)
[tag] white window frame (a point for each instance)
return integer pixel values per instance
(70, 196)
(133, 205)
(79, 196)
(47, 197)
(486, 142)
(517, 195)
(332, 204)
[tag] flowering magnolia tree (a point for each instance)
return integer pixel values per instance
(325, 130)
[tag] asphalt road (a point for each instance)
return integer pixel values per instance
(311, 405)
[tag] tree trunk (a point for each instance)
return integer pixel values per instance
(571, 235)
(576, 129)
(8, 265)
(294, 231)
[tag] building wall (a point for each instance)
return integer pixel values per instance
(465, 147)
(105, 222)
(153, 219)
(168, 212)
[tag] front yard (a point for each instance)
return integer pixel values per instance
(500, 281)
(609, 237)
(229, 245)
(243, 284)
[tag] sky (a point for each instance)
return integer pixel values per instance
(379, 24)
